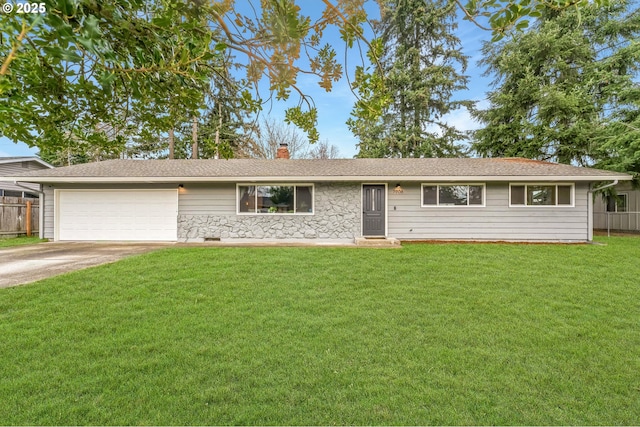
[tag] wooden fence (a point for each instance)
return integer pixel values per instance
(19, 216)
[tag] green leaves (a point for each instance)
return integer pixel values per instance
(87, 66)
(501, 16)
(67, 8)
(305, 120)
(62, 54)
(85, 63)
(90, 29)
(558, 95)
(326, 66)
(107, 78)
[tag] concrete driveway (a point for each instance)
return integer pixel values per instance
(25, 264)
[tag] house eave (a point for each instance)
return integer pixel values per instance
(368, 178)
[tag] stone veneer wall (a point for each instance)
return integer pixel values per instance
(337, 216)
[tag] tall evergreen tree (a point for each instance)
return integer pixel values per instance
(226, 124)
(619, 147)
(561, 87)
(423, 65)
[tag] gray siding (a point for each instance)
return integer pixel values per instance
(8, 169)
(49, 209)
(18, 167)
(620, 221)
(207, 199)
(495, 221)
(209, 211)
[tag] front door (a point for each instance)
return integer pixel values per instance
(373, 210)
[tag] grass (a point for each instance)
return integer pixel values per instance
(429, 334)
(18, 241)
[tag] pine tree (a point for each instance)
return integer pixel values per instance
(561, 86)
(423, 65)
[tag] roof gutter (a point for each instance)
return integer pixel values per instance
(40, 207)
(307, 178)
(615, 181)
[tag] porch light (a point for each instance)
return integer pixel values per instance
(398, 189)
(180, 185)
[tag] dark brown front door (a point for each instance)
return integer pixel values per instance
(373, 210)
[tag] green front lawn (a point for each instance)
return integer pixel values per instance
(428, 334)
(18, 241)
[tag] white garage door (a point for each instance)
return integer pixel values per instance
(142, 215)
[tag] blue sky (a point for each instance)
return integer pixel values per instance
(334, 107)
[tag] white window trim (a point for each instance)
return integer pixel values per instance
(280, 184)
(626, 203)
(570, 184)
(438, 205)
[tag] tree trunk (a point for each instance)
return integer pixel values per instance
(171, 144)
(194, 133)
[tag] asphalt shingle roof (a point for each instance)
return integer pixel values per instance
(339, 170)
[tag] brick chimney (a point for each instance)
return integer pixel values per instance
(283, 151)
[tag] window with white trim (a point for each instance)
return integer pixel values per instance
(541, 194)
(453, 195)
(617, 203)
(275, 199)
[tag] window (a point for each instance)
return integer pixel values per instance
(541, 195)
(275, 199)
(617, 203)
(452, 195)
(10, 193)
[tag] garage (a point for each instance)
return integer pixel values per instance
(117, 215)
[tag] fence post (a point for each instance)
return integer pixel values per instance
(28, 218)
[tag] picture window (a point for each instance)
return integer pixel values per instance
(541, 195)
(275, 199)
(453, 195)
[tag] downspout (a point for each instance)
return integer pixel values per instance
(40, 208)
(590, 207)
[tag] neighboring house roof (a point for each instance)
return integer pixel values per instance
(18, 159)
(248, 170)
(14, 165)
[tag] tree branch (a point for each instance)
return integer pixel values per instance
(11, 56)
